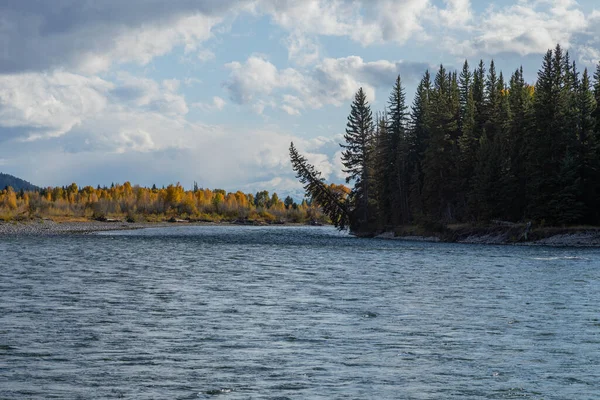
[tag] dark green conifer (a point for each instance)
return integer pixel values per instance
(334, 205)
(357, 158)
(400, 156)
(420, 132)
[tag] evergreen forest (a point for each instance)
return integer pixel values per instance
(475, 146)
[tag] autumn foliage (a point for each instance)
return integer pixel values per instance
(135, 203)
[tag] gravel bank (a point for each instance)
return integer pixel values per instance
(48, 227)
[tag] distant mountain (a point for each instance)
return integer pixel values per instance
(16, 183)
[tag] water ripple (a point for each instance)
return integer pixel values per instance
(294, 313)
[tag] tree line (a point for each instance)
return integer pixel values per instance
(473, 147)
(135, 203)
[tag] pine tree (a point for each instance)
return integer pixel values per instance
(333, 203)
(440, 163)
(421, 115)
(503, 203)
(479, 99)
(542, 168)
(597, 96)
(589, 150)
(420, 132)
(492, 102)
(384, 172)
(357, 159)
(400, 157)
(518, 133)
(465, 82)
(468, 146)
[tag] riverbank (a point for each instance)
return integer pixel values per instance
(44, 227)
(503, 234)
(50, 227)
(514, 234)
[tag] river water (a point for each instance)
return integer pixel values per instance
(294, 313)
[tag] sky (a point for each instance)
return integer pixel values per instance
(214, 91)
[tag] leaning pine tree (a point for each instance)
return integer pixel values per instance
(333, 202)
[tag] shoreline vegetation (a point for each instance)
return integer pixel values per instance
(134, 204)
(496, 234)
(477, 158)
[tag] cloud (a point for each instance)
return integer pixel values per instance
(527, 27)
(36, 106)
(206, 55)
(91, 36)
(150, 95)
(42, 105)
(332, 82)
(364, 21)
(217, 104)
(256, 76)
(457, 13)
(302, 49)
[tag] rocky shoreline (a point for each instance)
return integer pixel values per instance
(554, 237)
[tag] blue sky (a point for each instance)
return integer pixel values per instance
(214, 90)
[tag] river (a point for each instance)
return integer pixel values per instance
(231, 312)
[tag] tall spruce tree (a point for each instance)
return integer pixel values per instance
(468, 144)
(383, 172)
(507, 178)
(401, 155)
(542, 167)
(596, 113)
(589, 150)
(357, 159)
(485, 196)
(439, 164)
(420, 131)
(465, 81)
(520, 98)
(479, 98)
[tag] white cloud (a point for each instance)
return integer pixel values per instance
(290, 110)
(205, 55)
(217, 104)
(302, 49)
(365, 21)
(91, 37)
(41, 105)
(143, 44)
(457, 13)
(528, 27)
(149, 94)
(331, 82)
